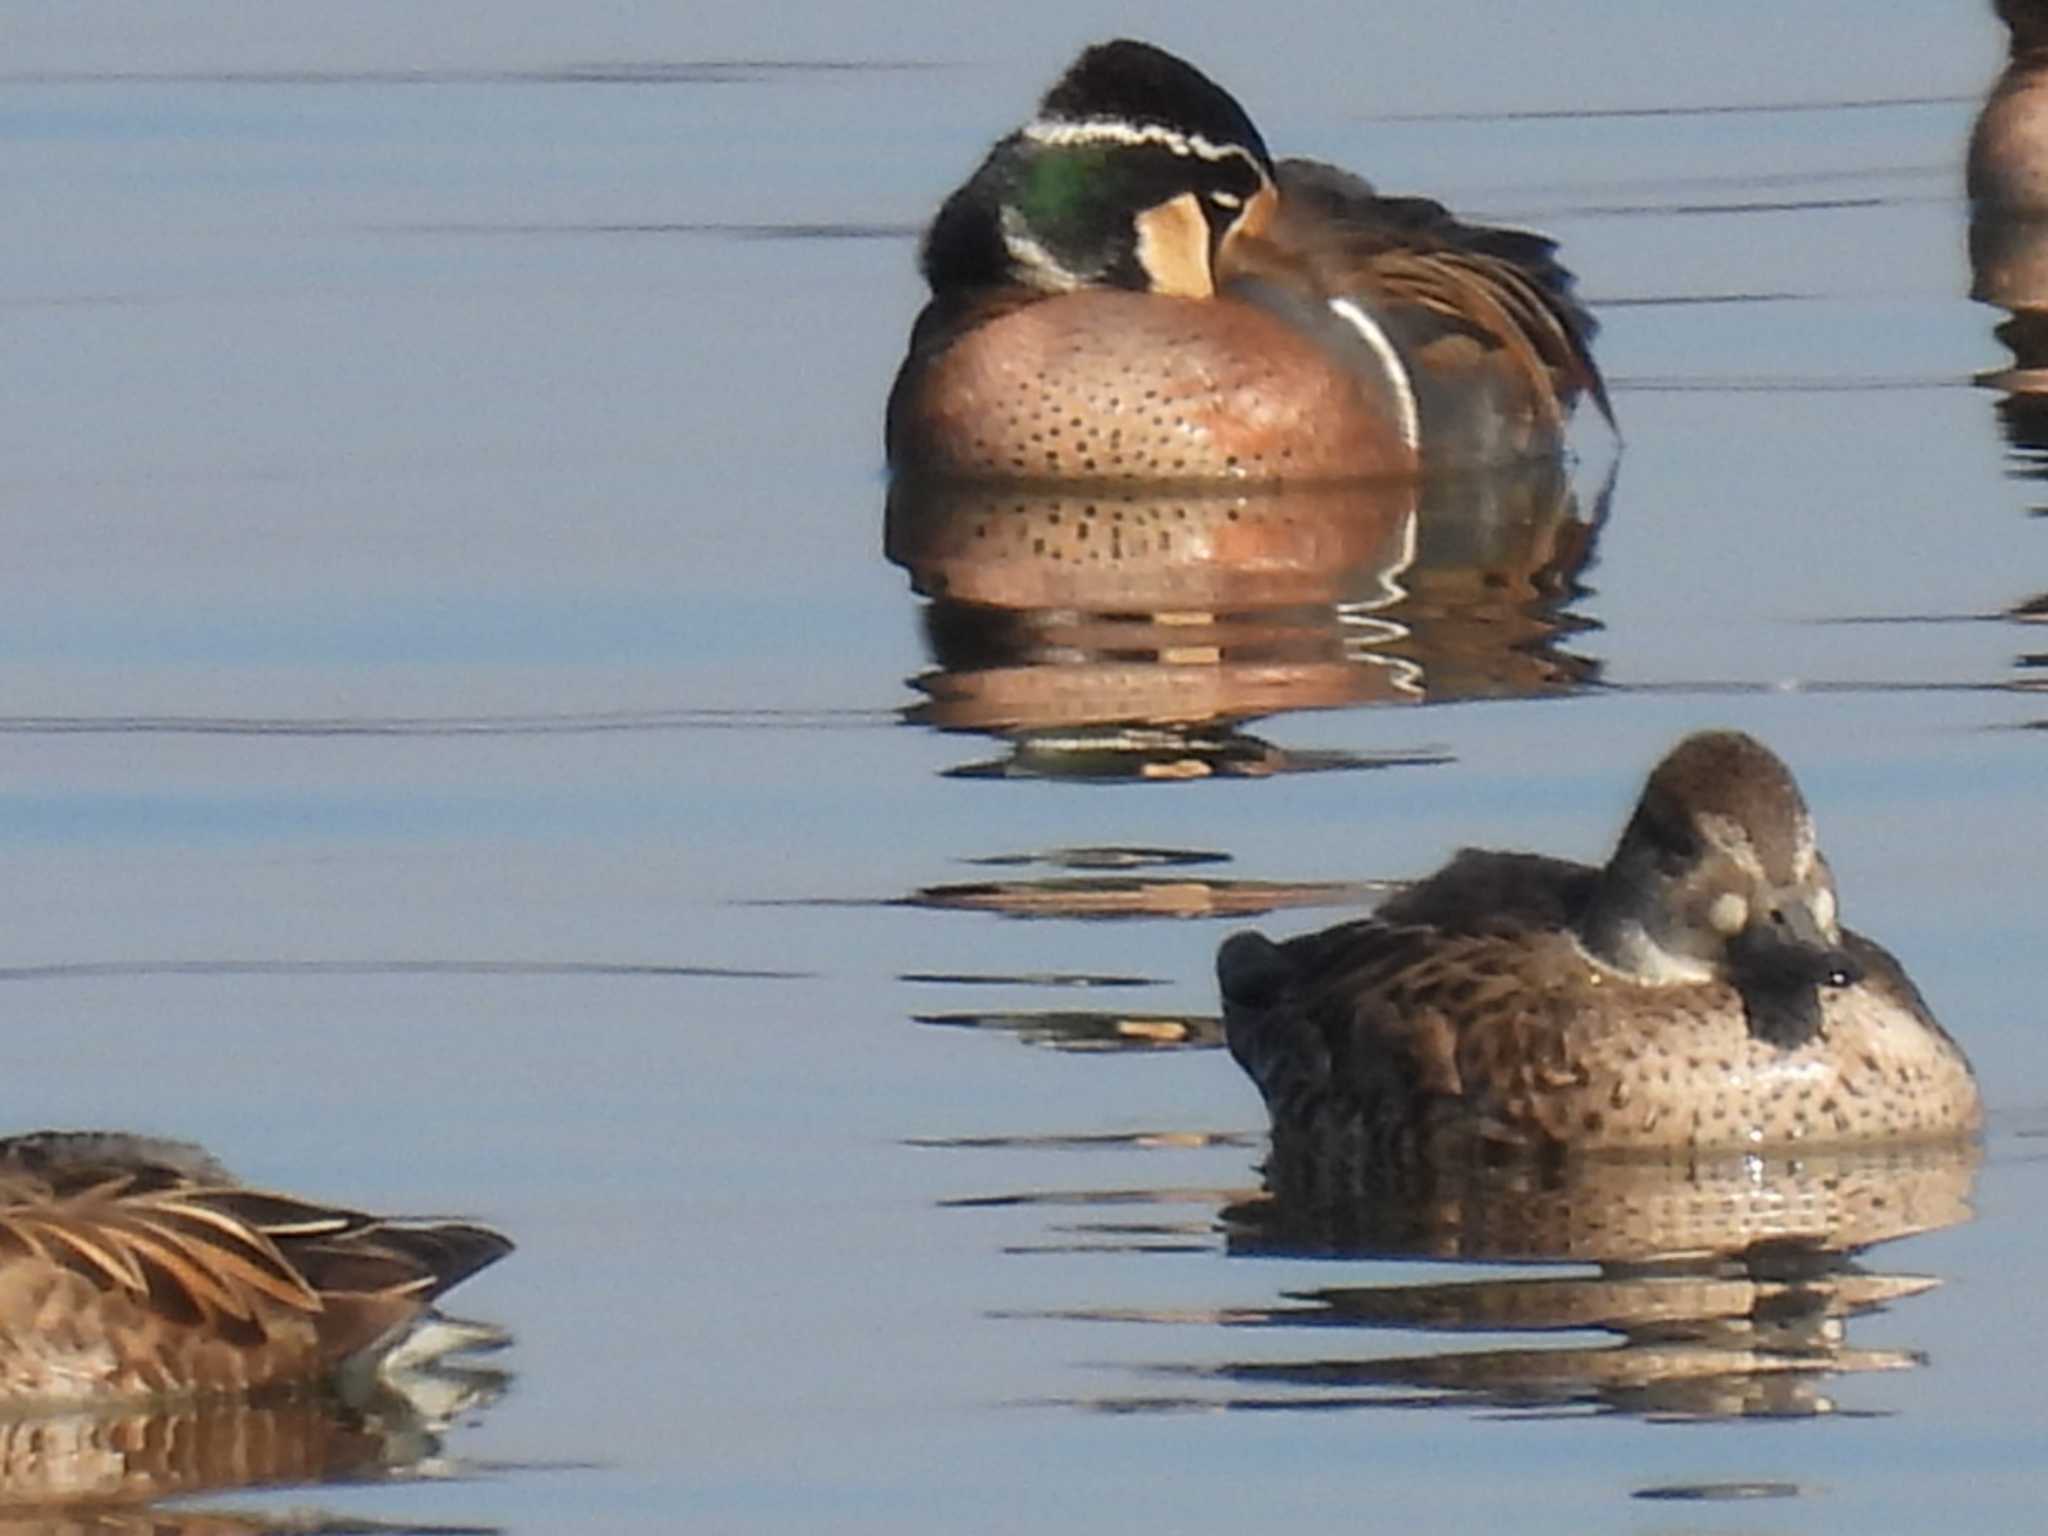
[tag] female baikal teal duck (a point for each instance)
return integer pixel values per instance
(1131, 288)
(135, 1270)
(1696, 992)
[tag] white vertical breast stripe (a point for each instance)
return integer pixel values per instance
(1368, 328)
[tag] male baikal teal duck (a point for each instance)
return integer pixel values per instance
(1695, 992)
(135, 1270)
(1131, 288)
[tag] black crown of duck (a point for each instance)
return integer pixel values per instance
(1131, 288)
(1697, 991)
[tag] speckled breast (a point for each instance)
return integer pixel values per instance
(1638, 1068)
(1877, 1077)
(1517, 1040)
(1110, 385)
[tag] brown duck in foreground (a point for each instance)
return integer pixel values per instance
(1695, 992)
(133, 1269)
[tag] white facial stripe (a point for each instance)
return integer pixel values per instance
(1644, 960)
(1824, 910)
(1804, 848)
(1062, 133)
(1040, 267)
(1398, 381)
(1725, 833)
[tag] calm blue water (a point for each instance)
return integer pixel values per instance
(445, 614)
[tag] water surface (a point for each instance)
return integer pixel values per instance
(468, 742)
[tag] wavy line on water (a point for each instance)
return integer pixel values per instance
(81, 970)
(441, 725)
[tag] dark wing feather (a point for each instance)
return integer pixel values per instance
(69, 1160)
(1413, 249)
(163, 1219)
(1486, 891)
(420, 1260)
(1323, 1018)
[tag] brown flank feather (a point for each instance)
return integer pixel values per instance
(135, 1269)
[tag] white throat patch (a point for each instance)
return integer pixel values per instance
(1039, 267)
(1644, 960)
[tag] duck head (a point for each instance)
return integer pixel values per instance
(1718, 878)
(1136, 173)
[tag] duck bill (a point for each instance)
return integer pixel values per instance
(1790, 949)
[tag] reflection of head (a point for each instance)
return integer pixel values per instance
(2008, 187)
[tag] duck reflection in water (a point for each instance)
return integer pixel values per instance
(1726, 1283)
(166, 1329)
(2008, 185)
(1726, 1280)
(1134, 631)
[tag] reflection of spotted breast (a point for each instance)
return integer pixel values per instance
(1131, 549)
(1607, 1209)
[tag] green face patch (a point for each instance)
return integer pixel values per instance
(1074, 196)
